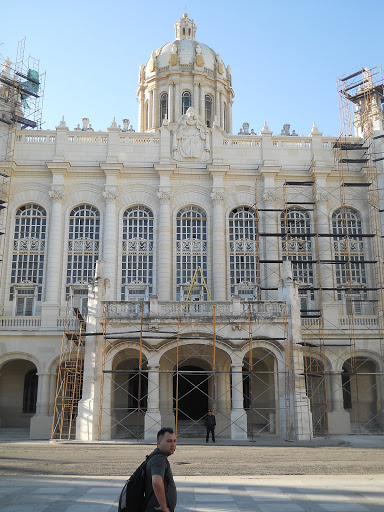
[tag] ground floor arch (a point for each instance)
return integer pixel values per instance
(362, 386)
(129, 394)
(260, 391)
(18, 393)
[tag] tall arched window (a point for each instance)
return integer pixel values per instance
(137, 257)
(225, 120)
(208, 110)
(191, 251)
(242, 249)
(348, 246)
(186, 102)
(28, 258)
(297, 247)
(163, 108)
(146, 115)
(83, 252)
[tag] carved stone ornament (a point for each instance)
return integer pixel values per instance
(269, 195)
(320, 197)
(217, 197)
(190, 139)
(110, 195)
(57, 194)
(164, 196)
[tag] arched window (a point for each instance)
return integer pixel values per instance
(146, 115)
(83, 252)
(225, 120)
(186, 102)
(297, 247)
(242, 249)
(208, 110)
(163, 108)
(191, 251)
(28, 258)
(348, 247)
(137, 256)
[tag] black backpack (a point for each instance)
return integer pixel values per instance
(132, 497)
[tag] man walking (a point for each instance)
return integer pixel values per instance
(210, 423)
(160, 486)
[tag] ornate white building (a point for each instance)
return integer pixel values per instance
(241, 273)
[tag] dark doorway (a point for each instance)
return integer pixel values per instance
(193, 393)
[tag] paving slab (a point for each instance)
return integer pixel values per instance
(280, 493)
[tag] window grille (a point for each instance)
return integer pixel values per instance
(186, 102)
(191, 250)
(242, 251)
(163, 107)
(208, 110)
(137, 254)
(29, 249)
(348, 247)
(83, 247)
(299, 250)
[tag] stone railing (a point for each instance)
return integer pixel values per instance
(19, 322)
(292, 143)
(358, 322)
(173, 309)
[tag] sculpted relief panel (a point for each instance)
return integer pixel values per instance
(190, 138)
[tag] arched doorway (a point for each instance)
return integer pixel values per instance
(360, 380)
(18, 393)
(259, 392)
(129, 403)
(192, 403)
(315, 384)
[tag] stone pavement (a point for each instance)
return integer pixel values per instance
(350, 493)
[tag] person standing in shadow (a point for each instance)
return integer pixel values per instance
(210, 423)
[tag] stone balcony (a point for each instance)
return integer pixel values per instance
(235, 309)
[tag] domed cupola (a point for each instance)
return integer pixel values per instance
(181, 74)
(185, 29)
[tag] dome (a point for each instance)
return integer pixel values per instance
(186, 53)
(182, 74)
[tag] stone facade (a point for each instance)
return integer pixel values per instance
(153, 206)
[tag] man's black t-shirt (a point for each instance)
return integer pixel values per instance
(158, 465)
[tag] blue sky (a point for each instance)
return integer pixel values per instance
(285, 56)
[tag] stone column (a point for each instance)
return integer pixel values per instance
(330, 313)
(156, 114)
(110, 248)
(88, 407)
(41, 422)
(238, 414)
(55, 247)
(221, 111)
(218, 246)
(270, 271)
(339, 421)
(217, 108)
(141, 111)
(164, 264)
(229, 114)
(150, 109)
(170, 104)
(152, 421)
(53, 273)
(177, 102)
(202, 102)
(196, 97)
(298, 414)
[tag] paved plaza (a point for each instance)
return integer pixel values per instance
(356, 493)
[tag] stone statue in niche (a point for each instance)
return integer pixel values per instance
(190, 138)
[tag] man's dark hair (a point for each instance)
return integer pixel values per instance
(163, 431)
